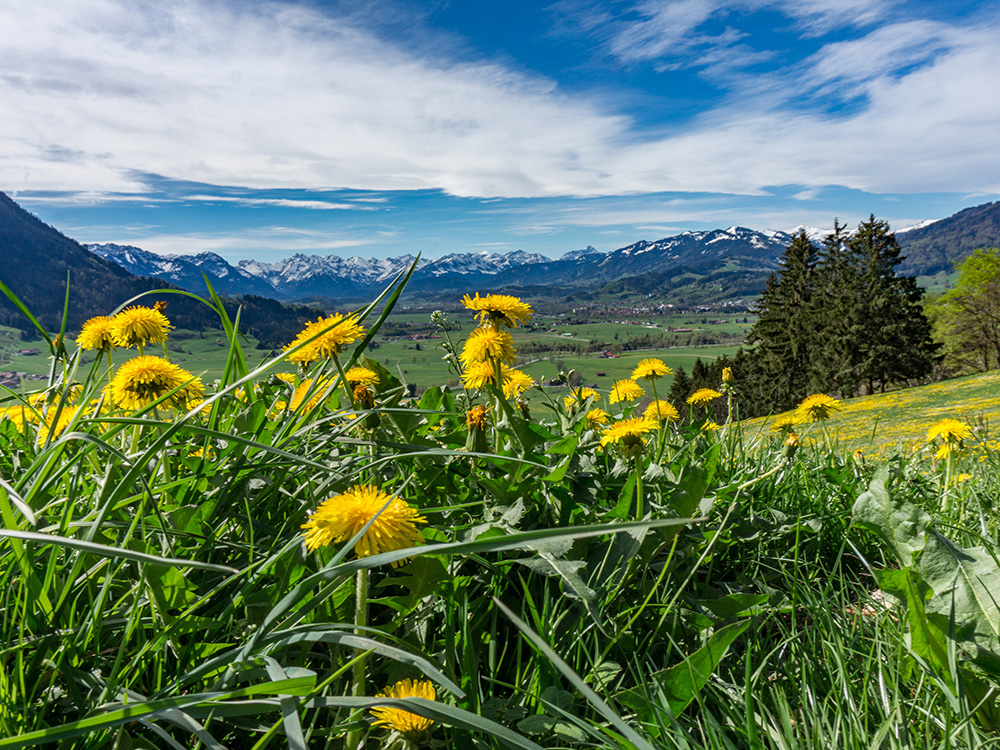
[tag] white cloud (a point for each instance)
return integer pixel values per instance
(312, 205)
(94, 94)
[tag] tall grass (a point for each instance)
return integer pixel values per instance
(710, 590)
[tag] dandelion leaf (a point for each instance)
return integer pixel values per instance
(903, 524)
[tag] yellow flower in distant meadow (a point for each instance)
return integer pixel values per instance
(486, 344)
(786, 422)
(818, 407)
(137, 326)
(703, 396)
(626, 435)
(661, 411)
(499, 309)
(579, 397)
(332, 333)
(97, 334)
(477, 375)
(515, 382)
(625, 390)
(341, 517)
(597, 418)
(144, 379)
(650, 369)
(405, 722)
(362, 376)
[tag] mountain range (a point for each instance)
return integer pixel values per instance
(333, 277)
(734, 261)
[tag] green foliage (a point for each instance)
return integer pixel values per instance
(967, 317)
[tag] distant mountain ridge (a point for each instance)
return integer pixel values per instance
(930, 246)
(307, 276)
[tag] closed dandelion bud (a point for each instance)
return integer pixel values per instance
(791, 445)
(727, 375)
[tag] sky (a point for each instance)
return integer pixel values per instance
(263, 128)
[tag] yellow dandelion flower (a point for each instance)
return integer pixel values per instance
(314, 398)
(626, 435)
(597, 418)
(19, 415)
(818, 407)
(486, 344)
(711, 426)
(51, 428)
(97, 334)
(650, 369)
(661, 411)
(364, 396)
(499, 309)
(137, 326)
(284, 377)
(786, 422)
(951, 431)
(405, 722)
(341, 517)
(625, 390)
(200, 453)
(478, 374)
(515, 382)
(703, 396)
(579, 397)
(362, 376)
(142, 380)
(477, 417)
(332, 333)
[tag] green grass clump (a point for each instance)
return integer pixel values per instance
(688, 586)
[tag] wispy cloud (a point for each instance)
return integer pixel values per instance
(267, 95)
(312, 205)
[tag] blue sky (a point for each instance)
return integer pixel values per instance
(260, 129)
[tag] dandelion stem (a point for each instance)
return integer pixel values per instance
(360, 621)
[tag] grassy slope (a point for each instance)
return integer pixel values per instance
(882, 424)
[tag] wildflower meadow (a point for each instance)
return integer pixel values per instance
(328, 559)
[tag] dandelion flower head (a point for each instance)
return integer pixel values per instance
(818, 407)
(650, 369)
(51, 427)
(341, 517)
(306, 388)
(97, 334)
(515, 382)
(625, 390)
(786, 422)
(597, 418)
(477, 418)
(486, 344)
(703, 396)
(951, 431)
(137, 326)
(579, 397)
(478, 374)
(362, 376)
(499, 309)
(332, 333)
(144, 379)
(661, 411)
(402, 721)
(627, 434)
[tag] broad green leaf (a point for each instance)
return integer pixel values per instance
(904, 525)
(681, 683)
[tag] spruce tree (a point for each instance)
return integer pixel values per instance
(785, 330)
(894, 341)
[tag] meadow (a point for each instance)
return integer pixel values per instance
(303, 555)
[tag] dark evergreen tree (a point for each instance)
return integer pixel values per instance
(894, 342)
(785, 330)
(837, 314)
(680, 389)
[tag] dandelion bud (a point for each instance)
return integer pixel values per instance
(791, 445)
(727, 375)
